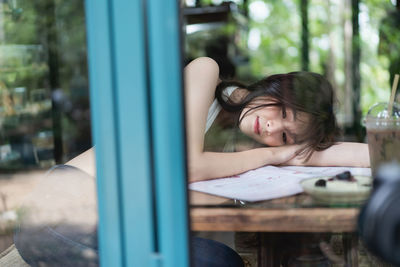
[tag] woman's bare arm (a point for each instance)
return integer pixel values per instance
(209, 165)
(341, 154)
(201, 79)
(85, 161)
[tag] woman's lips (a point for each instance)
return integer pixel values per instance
(257, 126)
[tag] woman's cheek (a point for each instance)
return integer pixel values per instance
(246, 126)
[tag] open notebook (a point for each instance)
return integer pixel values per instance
(268, 182)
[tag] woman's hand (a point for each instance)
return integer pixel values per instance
(282, 154)
(209, 165)
(341, 154)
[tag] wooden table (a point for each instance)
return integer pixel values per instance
(296, 214)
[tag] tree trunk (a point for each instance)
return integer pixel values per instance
(356, 52)
(304, 35)
(2, 24)
(331, 62)
(348, 74)
(53, 63)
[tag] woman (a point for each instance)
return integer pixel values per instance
(291, 115)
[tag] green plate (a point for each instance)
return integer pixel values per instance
(339, 192)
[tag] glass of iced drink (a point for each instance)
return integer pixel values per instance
(383, 133)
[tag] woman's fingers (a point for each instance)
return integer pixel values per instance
(284, 154)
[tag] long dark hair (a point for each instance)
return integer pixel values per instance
(301, 91)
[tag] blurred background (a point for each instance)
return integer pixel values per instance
(354, 43)
(44, 98)
(44, 102)
(44, 86)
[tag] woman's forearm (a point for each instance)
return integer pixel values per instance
(209, 165)
(341, 154)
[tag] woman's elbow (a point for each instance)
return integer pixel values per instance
(196, 172)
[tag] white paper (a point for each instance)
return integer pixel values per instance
(268, 182)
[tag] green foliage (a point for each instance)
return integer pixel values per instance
(26, 40)
(24, 28)
(374, 67)
(330, 43)
(43, 46)
(21, 53)
(279, 50)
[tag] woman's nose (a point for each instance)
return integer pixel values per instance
(273, 126)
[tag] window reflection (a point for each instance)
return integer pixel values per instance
(44, 103)
(351, 43)
(44, 120)
(58, 220)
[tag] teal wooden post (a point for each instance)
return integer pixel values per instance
(137, 118)
(168, 133)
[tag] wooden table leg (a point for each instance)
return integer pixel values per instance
(350, 248)
(267, 251)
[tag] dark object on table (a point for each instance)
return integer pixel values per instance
(379, 220)
(321, 183)
(345, 176)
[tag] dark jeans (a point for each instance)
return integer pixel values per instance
(67, 244)
(49, 247)
(210, 253)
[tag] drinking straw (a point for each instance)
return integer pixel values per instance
(394, 87)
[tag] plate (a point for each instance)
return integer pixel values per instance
(339, 192)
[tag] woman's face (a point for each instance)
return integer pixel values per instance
(272, 125)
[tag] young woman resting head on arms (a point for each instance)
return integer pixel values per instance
(292, 114)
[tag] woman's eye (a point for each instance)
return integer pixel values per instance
(284, 138)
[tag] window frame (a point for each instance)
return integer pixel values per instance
(136, 97)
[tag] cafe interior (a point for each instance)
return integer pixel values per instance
(71, 71)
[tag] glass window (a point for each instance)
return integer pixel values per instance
(45, 122)
(355, 46)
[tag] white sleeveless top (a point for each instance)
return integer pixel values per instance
(215, 107)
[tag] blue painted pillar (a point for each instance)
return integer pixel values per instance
(168, 133)
(137, 117)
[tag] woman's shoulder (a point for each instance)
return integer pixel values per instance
(203, 61)
(202, 76)
(203, 65)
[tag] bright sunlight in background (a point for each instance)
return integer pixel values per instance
(274, 45)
